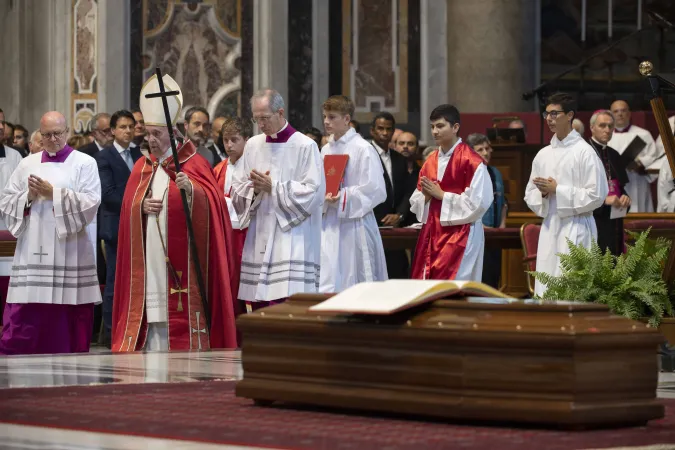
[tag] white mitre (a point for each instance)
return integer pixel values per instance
(153, 109)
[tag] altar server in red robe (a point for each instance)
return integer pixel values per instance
(157, 305)
(234, 133)
(453, 192)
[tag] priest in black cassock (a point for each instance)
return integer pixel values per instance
(610, 231)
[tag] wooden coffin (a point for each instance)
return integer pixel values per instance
(486, 359)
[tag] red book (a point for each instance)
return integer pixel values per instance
(334, 166)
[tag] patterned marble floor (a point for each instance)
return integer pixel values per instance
(100, 367)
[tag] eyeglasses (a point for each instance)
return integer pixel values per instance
(104, 131)
(553, 114)
(259, 119)
(55, 134)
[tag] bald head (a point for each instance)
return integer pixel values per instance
(621, 112)
(51, 119)
(54, 131)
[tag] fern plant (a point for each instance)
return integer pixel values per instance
(630, 284)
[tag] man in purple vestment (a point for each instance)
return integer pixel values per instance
(49, 204)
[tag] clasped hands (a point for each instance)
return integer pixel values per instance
(545, 185)
(431, 189)
(262, 182)
(37, 187)
(154, 206)
(619, 202)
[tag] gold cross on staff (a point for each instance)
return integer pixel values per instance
(179, 291)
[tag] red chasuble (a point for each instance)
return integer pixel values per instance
(440, 249)
(213, 236)
(238, 236)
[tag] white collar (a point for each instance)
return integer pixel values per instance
(235, 164)
(442, 154)
(166, 154)
(275, 135)
(100, 147)
(380, 150)
(601, 145)
(345, 137)
(119, 147)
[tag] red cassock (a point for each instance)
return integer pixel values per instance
(213, 236)
(440, 249)
(239, 236)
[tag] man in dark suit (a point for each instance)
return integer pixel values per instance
(100, 129)
(396, 208)
(114, 167)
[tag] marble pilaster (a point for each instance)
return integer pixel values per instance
(491, 54)
(270, 44)
(113, 55)
(433, 62)
(36, 54)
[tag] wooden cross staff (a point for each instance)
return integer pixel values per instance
(163, 94)
(657, 84)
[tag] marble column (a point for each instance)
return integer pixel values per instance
(491, 54)
(114, 74)
(270, 44)
(433, 62)
(320, 56)
(36, 57)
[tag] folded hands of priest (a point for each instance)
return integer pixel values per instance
(545, 185)
(37, 187)
(262, 182)
(332, 199)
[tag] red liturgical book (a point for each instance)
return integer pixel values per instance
(334, 167)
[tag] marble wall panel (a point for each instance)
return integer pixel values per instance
(85, 15)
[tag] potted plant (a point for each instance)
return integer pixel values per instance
(631, 284)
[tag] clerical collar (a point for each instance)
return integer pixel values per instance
(57, 157)
(624, 129)
(120, 148)
(602, 146)
(449, 152)
(282, 135)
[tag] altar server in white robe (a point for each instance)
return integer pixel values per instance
(351, 244)
(453, 192)
(279, 194)
(624, 132)
(50, 205)
(567, 183)
(665, 187)
(9, 160)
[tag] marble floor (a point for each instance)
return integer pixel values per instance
(103, 367)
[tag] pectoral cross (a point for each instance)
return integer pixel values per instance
(198, 330)
(41, 254)
(179, 291)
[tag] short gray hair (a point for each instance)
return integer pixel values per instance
(600, 112)
(276, 101)
(94, 120)
(33, 134)
(477, 139)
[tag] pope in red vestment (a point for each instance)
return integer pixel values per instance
(141, 318)
(453, 192)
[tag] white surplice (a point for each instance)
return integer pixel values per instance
(568, 214)
(351, 244)
(467, 207)
(638, 185)
(229, 176)
(665, 189)
(7, 166)
(55, 258)
(282, 251)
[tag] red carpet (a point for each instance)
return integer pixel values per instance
(209, 412)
